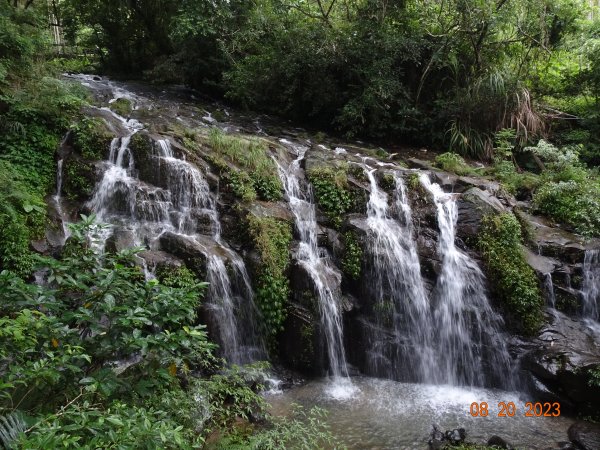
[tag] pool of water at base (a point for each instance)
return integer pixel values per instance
(369, 413)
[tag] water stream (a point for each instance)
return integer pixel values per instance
(591, 285)
(469, 336)
(179, 205)
(325, 277)
(397, 286)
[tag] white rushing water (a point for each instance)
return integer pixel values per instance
(591, 285)
(325, 277)
(181, 203)
(400, 297)
(385, 414)
(467, 328)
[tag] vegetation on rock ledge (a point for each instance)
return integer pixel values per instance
(271, 238)
(513, 280)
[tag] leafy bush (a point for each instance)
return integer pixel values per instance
(353, 253)
(271, 238)
(520, 184)
(572, 203)
(453, 162)
(256, 173)
(513, 280)
(122, 107)
(331, 192)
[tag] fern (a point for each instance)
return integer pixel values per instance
(11, 427)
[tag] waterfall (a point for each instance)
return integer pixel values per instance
(591, 285)
(178, 206)
(325, 277)
(549, 288)
(400, 298)
(58, 200)
(467, 328)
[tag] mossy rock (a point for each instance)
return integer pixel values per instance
(512, 280)
(122, 107)
(92, 138)
(79, 178)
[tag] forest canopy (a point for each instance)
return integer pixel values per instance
(426, 72)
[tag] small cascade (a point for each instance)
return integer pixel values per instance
(397, 286)
(181, 203)
(468, 330)
(591, 285)
(58, 201)
(549, 289)
(325, 277)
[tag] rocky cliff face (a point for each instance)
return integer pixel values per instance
(557, 362)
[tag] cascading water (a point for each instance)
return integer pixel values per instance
(314, 260)
(58, 201)
(591, 285)
(549, 288)
(182, 202)
(467, 328)
(400, 298)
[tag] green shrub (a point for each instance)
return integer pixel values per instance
(521, 184)
(257, 172)
(22, 218)
(122, 107)
(453, 162)
(91, 138)
(575, 204)
(331, 192)
(271, 238)
(513, 281)
(176, 277)
(352, 259)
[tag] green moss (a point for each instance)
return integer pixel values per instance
(353, 253)
(271, 238)
(516, 183)
(332, 192)
(256, 171)
(122, 107)
(79, 176)
(453, 162)
(513, 280)
(91, 138)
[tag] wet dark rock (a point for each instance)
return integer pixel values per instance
(120, 239)
(560, 362)
(156, 259)
(191, 251)
(585, 435)
(473, 205)
(445, 440)
(498, 442)
(299, 346)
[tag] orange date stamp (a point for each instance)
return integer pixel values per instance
(509, 409)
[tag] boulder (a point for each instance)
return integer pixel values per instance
(498, 442)
(192, 251)
(585, 435)
(120, 239)
(473, 205)
(560, 362)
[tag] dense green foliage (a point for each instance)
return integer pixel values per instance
(353, 255)
(331, 191)
(272, 238)
(35, 112)
(98, 357)
(513, 280)
(446, 73)
(246, 166)
(453, 162)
